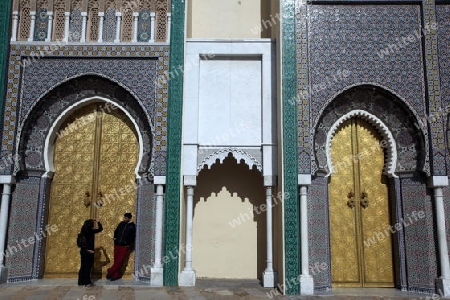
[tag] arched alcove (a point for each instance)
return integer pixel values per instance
(63, 99)
(387, 113)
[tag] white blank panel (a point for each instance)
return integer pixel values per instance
(230, 102)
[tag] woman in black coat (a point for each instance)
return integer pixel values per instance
(87, 251)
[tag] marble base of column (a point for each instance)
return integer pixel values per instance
(306, 285)
(443, 287)
(270, 279)
(156, 277)
(3, 274)
(186, 278)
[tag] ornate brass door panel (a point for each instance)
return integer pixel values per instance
(361, 249)
(95, 155)
(119, 150)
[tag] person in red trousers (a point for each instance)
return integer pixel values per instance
(124, 237)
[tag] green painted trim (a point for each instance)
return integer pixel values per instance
(174, 114)
(5, 21)
(290, 156)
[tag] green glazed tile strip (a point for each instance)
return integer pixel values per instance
(5, 17)
(175, 111)
(290, 139)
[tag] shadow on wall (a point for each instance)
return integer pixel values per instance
(242, 190)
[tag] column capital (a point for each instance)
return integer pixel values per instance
(190, 180)
(7, 179)
(437, 181)
(270, 180)
(159, 179)
(304, 179)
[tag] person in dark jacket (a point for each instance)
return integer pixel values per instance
(87, 251)
(124, 237)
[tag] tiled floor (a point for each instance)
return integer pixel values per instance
(56, 289)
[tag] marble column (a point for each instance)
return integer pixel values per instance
(306, 280)
(32, 26)
(169, 20)
(135, 26)
(269, 275)
(66, 26)
(4, 213)
(157, 269)
(187, 276)
(15, 26)
(83, 27)
(443, 282)
(101, 18)
(50, 26)
(152, 27)
(118, 26)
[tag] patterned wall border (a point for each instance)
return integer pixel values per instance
(431, 57)
(15, 110)
(24, 220)
(399, 238)
(443, 19)
(175, 113)
(145, 234)
(5, 13)
(290, 146)
(305, 145)
(421, 254)
(319, 231)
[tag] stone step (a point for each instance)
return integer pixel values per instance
(216, 289)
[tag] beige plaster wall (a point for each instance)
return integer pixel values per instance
(225, 193)
(228, 19)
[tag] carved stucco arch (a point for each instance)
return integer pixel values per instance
(221, 154)
(391, 148)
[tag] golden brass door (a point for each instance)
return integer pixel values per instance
(361, 248)
(95, 155)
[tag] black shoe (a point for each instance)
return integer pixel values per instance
(114, 278)
(108, 276)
